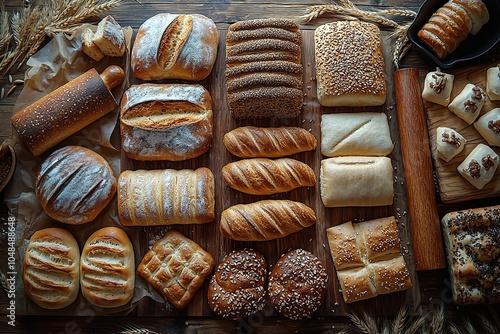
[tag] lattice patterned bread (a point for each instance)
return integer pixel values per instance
(176, 266)
(367, 258)
(471, 241)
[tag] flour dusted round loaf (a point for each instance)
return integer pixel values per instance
(51, 273)
(297, 284)
(237, 289)
(74, 184)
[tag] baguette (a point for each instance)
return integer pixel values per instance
(255, 142)
(262, 176)
(265, 220)
(166, 197)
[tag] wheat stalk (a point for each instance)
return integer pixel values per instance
(5, 33)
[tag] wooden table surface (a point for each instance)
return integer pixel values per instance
(432, 287)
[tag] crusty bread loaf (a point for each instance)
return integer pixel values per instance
(297, 284)
(363, 133)
(451, 24)
(471, 242)
(356, 181)
(488, 126)
(479, 166)
(74, 184)
(368, 259)
(165, 197)
(262, 176)
(51, 272)
(356, 77)
(264, 70)
(237, 288)
(265, 220)
(255, 142)
(166, 121)
(176, 266)
(88, 47)
(107, 268)
(109, 37)
(173, 46)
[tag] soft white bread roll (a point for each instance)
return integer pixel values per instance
(51, 272)
(449, 143)
(177, 267)
(258, 142)
(297, 284)
(367, 258)
(166, 121)
(166, 197)
(107, 268)
(356, 181)
(109, 37)
(364, 133)
(74, 184)
(493, 83)
(437, 87)
(479, 166)
(467, 105)
(471, 243)
(174, 46)
(488, 126)
(265, 220)
(237, 288)
(356, 77)
(262, 176)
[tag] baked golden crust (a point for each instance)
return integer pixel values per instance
(471, 241)
(176, 266)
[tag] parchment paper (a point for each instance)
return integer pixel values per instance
(60, 61)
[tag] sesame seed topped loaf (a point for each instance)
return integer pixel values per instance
(471, 242)
(264, 70)
(349, 64)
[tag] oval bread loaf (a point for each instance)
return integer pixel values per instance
(74, 184)
(255, 142)
(107, 268)
(261, 176)
(265, 220)
(51, 273)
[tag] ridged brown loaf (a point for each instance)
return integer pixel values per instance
(265, 220)
(254, 142)
(264, 71)
(262, 176)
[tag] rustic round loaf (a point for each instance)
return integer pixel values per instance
(297, 284)
(236, 289)
(74, 184)
(51, 271)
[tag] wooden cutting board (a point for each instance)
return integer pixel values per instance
(452, 186)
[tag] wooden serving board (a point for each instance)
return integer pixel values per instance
(313, 238)
(453, 187)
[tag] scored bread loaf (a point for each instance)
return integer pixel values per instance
(451, 24)
(265, 220)
(174, 46)
(51, 271)
(107, 268)
(263, 68)
(166, 121)
(166, 197)
(74, 184)
(262, 176)
(255, 142)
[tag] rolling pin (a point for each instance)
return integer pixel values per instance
(68, 109)
(425, 226)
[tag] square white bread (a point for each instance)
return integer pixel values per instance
(437, 87)
(493, 83)
(109, 37)
(364, 133)
(479, 166)
(88, 47)
(488, 126)
(349, 64)
(468, 104)
(449, 143)
(356, 181)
